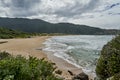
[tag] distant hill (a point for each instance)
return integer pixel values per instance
(40, 26)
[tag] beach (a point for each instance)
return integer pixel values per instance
(33, 47)
(60, 50)
(25, 47)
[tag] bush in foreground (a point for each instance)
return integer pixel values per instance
(4, 55)
(20, 68)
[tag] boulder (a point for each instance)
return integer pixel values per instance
(71, 73)
(81, 76)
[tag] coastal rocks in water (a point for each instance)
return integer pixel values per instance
(81, 76)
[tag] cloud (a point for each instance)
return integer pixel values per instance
(64, 8)
(110, 6)
(76, 11)
(71, 8)
(19, 8)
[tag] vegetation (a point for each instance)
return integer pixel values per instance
(20, 68)
(116, 77)
(4, 55)
(9, 33)
(40, 26)
(109, 62)
(6, 33)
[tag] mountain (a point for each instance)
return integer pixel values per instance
(40, 26)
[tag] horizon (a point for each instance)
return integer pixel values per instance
(94, 13)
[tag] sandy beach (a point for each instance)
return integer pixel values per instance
(33, 47)
(25, 47)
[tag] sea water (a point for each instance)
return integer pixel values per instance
(82, 51)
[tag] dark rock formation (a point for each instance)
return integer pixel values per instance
(81, 76)
(70, 73)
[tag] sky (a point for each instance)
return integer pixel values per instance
(97, 13)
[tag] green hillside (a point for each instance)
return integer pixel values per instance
(9, 33)
(108, 65)
(40, 26)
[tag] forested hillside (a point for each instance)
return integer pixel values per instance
(40, 26)
(9, 33)
(108, 65)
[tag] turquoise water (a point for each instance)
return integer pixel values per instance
(81, 51)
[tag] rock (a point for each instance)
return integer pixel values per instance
(59, 77)
(1, 42)
(70, 72)
(81, 76)
(59, 72)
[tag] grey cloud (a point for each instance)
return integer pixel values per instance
(20, 8)
(77, 8)
(70, 10)
(108, 7)
(24, 4)
(25, 8)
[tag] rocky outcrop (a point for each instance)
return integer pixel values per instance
(81, 76)
(108, 64)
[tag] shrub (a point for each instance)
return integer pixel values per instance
(116, 77)
(4, 55)
(6, 33)
(20, 68)
(109, 62)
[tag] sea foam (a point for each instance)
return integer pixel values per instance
(81, 51)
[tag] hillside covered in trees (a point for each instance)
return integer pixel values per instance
(108, 65)
(40, 26)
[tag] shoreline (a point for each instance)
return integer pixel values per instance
(65, 66)
(25, 46)
(34, 47)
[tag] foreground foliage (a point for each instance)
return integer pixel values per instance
(20, 68)
(4, 55)
(109, 61)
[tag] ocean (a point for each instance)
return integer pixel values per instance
(82, 51)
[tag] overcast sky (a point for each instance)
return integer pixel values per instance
(97, 13)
